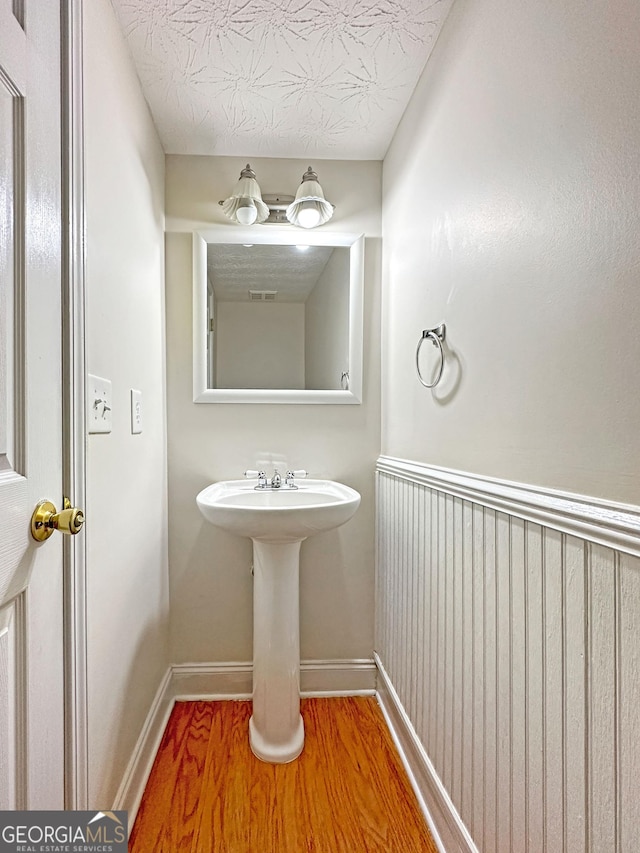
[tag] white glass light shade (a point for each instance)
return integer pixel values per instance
(247, 212)
(310, 207)
(245, 204)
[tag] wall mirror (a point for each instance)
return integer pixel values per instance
(277, 316)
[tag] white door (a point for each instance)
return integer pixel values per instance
(31, 579)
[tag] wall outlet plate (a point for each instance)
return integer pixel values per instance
(136, 412)
(99, 404)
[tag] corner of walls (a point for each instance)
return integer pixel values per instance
(127, 579)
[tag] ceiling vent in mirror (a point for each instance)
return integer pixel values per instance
(262, 295)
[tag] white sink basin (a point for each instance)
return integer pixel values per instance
(277, 520)
(278, 515)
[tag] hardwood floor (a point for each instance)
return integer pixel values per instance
(346, 793)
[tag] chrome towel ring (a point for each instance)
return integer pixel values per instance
(436, 336)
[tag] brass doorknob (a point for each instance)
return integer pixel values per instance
(46, 519)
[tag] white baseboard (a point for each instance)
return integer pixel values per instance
(227, 680)
(447, 828)
(137, 773)
(233, 680)
(355, 677)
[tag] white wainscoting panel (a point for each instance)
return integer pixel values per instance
(514, 649)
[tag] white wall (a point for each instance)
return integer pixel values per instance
(127, 583)
(211, 586)
(259, 345)
(512, 213)
(327, 325)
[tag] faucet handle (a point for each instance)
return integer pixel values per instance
(251, 474)
(291, 475)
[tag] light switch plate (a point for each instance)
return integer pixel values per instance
(99, 404)
(136, 412)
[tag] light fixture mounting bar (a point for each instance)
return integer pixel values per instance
(277, 205)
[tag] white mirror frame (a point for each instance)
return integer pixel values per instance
(276, 237)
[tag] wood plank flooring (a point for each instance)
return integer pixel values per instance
(346, 793)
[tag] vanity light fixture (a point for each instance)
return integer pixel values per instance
(310, 207)
(245, 205)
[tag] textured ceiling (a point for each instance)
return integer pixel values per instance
(234, 270)
(280, 78)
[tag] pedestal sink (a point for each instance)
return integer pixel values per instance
(277, 521)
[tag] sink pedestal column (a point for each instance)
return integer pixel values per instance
(276, 730)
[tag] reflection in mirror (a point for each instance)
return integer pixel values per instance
(276, 321)
(278, 316)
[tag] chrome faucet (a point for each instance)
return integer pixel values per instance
(274, 483)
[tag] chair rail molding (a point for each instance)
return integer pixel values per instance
(607, 523)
